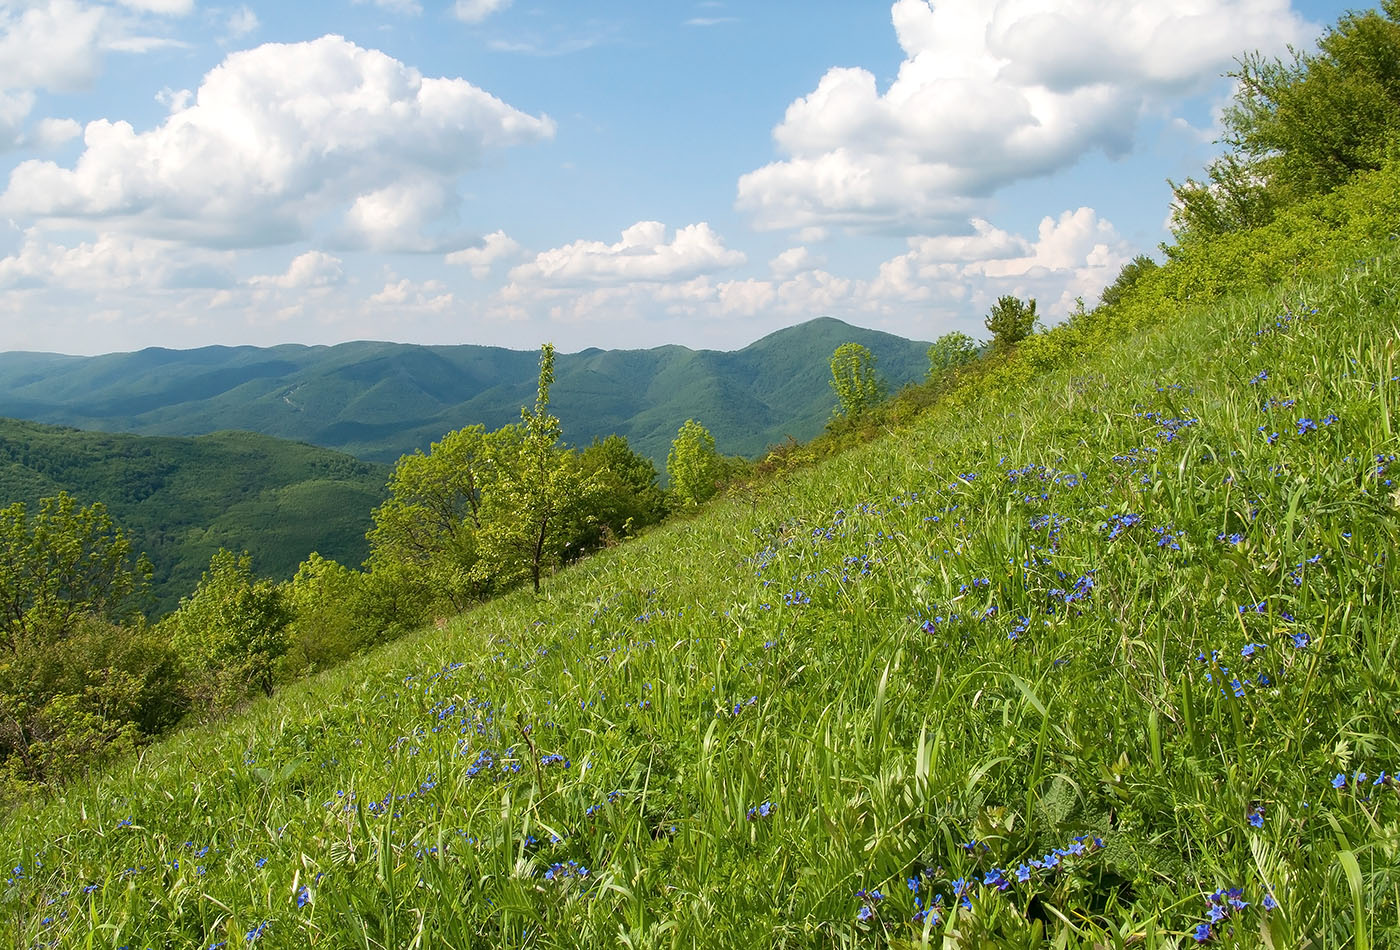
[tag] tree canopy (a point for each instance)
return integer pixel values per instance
(61, 564)
(1011, 320)
(1301, 127)
(949, 351)
(853, 379)
(693, 465)
(529, 515)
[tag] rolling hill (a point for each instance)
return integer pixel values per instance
(181, 499)
(1104, 659)
(378, 401)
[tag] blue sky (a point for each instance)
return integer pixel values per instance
(611, 174)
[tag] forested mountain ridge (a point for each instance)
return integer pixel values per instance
(181, 499)
(378, 401)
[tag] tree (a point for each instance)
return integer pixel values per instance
(530, 517)
(426, 537)
(1300, 128)
(853, 379)
(332, 616)
(61, 565)
(1132, 272)
(231, 632)
(81, 676)
(626, 495)
(1310, 124)
(693, 465)
(68, 705)
(949, 351)
(1011, 321)
(1232, 198)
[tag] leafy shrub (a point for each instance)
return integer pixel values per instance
(230, 633)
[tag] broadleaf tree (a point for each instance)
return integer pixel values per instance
(693, 466)
(626, 496)
(62, 564)
(81, 675)
(426, 537)
(1011, 320)
(950, 351)
(1131, 272)
(854, 380)
(1300, 127)
(231, 632)
(531, 518)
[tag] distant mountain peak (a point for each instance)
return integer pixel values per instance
(381, 400)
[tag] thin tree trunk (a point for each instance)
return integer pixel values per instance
(539, 553)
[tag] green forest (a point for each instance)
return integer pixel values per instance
(1086, 639)
(181, 500)
(378, 401)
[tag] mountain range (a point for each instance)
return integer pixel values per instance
(378, 401)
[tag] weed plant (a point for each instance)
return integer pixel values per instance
(1108, 660)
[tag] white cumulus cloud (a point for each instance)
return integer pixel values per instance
(163, 7)
(408, 7)
(989, 94)
(645, 253)
(54, 45)
(1073, 255)
(241, 22)
(112, 261)
(51, 133)
(497, 246)
(792, 261)
(431, 295)
(277, 140)
(309, 270)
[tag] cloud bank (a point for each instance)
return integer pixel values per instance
(989, 94)
(281, 142)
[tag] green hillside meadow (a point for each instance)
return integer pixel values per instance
(1104, 661)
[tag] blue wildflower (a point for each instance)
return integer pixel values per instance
(761, 811)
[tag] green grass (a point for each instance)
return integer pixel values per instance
(829, 646)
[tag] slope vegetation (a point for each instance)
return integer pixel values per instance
(1108, 659)
(381, 400)
(180, 500)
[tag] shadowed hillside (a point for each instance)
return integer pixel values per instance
(180, 500)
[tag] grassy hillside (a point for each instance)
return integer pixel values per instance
(381, 400)
(180, 500)
(1070, 665)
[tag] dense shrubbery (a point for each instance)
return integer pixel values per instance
(80, 674)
